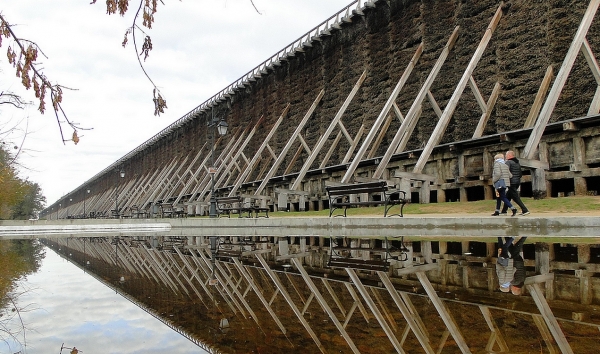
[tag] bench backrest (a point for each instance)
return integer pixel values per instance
(368, 187)
(229, 200)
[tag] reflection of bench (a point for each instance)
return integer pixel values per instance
(355, 263)
(229, 205)
(341, 257)
(343, 196)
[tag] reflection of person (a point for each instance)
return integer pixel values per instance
(516, 252)
(504, 266)
(501, 178)
(512, 193)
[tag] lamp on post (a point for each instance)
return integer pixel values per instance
(84, 198)
(221, 127)
(117, 214)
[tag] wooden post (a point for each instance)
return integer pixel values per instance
(539, 185)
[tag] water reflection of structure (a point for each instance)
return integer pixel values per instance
(432, 302)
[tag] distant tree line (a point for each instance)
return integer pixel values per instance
(20, 199)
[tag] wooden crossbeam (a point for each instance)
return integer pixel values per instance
(542, 305)
(324, 305)
(290, 302)
(321, 142)
(401, 137)
(442, 124)
(369, 301)
(257, 156)
(561, 78)
(382, 116)
(539, 98)
(288, 145)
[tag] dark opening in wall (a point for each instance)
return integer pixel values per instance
(593, 185)
(594, 255)
(296, 206)
(475, 193)
(435, 247)
(414, 197)
(526, 191)
(416, 246)
(565, 253)
(316, 204)
(478, 249)
(325, 204)
(452, 195)
(563, 186)
(454, 248)
(529, 251)
(433, 197)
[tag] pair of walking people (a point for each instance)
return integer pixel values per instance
(510, 267)
(507, 180)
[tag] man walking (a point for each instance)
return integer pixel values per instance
(515, 181)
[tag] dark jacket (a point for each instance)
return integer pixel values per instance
(515, 168)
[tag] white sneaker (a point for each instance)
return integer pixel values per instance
(525, 213)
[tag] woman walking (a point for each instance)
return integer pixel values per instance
(501, 178)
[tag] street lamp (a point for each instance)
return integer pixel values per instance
(84, 197)
(221, 127)
(117, 214)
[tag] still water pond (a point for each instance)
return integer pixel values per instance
(63, 305)
(302, 294)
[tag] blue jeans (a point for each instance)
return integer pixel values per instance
(502, 198)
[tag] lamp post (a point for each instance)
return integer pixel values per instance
(221, 127)
(117, 214)
(84, 198)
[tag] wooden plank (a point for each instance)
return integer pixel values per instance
(257, 155)
(365, 295)
(545, 333)
(412, 324)
(444, 313)
(354, 144)
(593, 64)
(290, 302)
(419, 268)
(539, 98)
(406, 128)
(536, 279)
(440, 128)
(382, 116)
(288, 145)
(534, 163)
(496, 334)
(561, 78)
(548, 316)
(334, 122)
(324, 305)
(487, 112)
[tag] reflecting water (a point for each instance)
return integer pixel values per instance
(63, 305)
(311, 295)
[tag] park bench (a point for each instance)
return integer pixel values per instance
(235, 204)
(341, 257)
(340, 196)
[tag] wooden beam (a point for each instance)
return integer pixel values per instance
(313, 288)
(386, 328)
(384, 112)
(440, 128)
(407, 126)
(561, 78)
(334, 122)
(487, 111)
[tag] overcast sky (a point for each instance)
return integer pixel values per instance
(200, 47)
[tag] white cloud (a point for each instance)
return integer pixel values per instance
(199, 48)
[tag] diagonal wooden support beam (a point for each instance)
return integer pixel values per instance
(440, 128)
(443, 312)
(365, 294)
(561, 78)
(258, 293)
(406, 128)
(325, 136)
(258, 155)
(290, 302)
(496, 335)
(532, 284)
(288, 145)
(412, 324)
(324, 305)
(382, 116)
